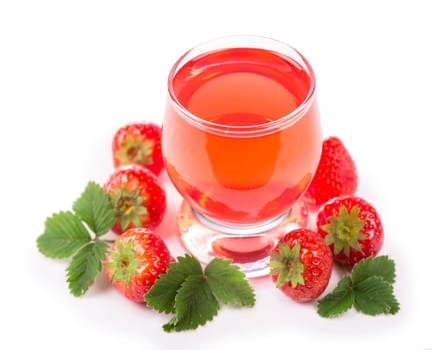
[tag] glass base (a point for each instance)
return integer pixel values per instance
(247, 246)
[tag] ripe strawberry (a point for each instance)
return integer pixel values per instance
(135, 261)
(352, 228)
(335, 176)
(138, 197)
(138, 143)
(301, 265)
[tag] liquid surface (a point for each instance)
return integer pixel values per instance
(245, 87)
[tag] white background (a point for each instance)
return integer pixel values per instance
(72, 72)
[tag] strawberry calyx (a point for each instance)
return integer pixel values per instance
(123, 262)
(344, 231)
(285, 263)
(137, 150)
(128, 206)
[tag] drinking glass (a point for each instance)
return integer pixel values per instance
(241, 140)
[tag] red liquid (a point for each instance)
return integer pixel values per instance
(241, 180)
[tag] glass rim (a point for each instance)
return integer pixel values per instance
(243, 41)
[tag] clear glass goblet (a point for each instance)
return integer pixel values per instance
(241, 139)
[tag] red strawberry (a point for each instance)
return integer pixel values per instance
(301, 265)
(138, 143)
(135, 261)
(138, 197)
(352, 228)
(335, 176)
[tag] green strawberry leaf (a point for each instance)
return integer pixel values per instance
(340, 300)
(94, 207)
(192, 296)
(195, 305)
(374, 296)
(85, 266)
(380, 266)
(67, 234)
(64, 234)
(228, 283)
(369, 289)
(161, 296)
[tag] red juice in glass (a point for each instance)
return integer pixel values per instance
(241, 135)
